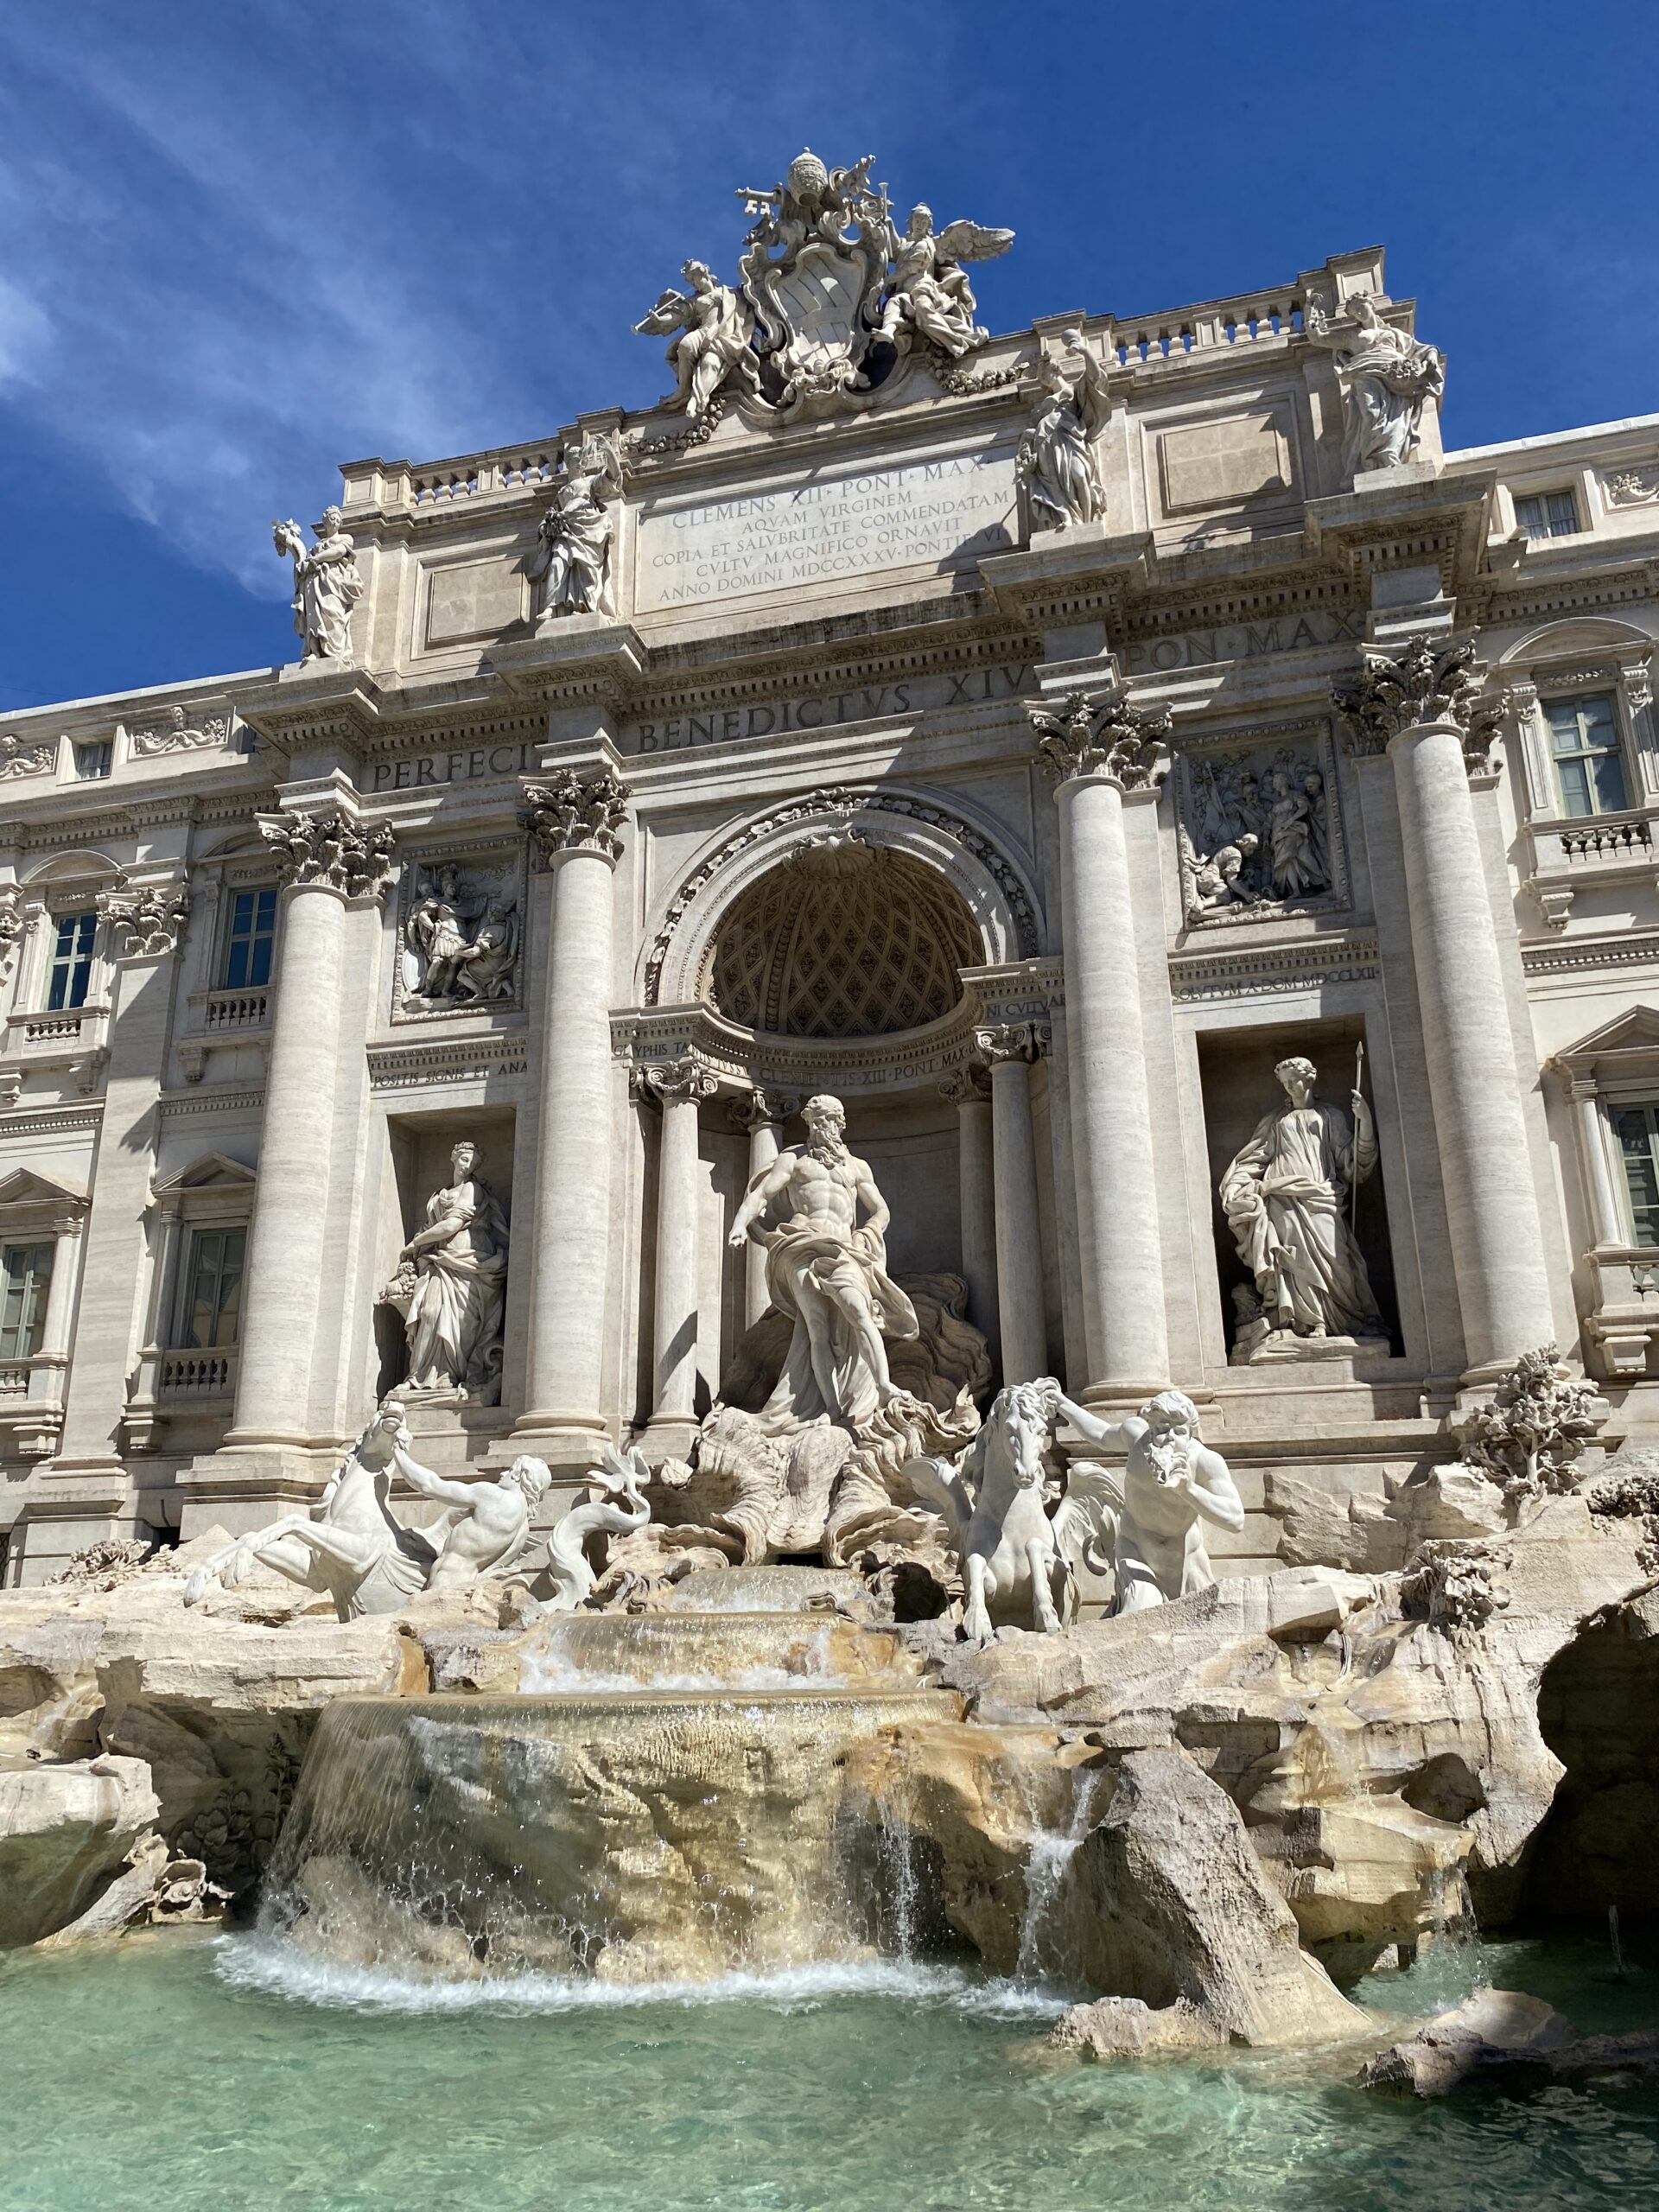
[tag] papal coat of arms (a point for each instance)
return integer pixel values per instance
(831, 296)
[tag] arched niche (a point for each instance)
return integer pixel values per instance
(1000, 905)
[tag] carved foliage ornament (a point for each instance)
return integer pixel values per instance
(1102, 735)
(1013, 1041)
(331, 849)
(147, 921)
(676, 1082)
(1422, 685)
(11, 926)
(573, 813)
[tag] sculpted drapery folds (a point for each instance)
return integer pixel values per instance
(1286, 1197)
(829, 1272)
(451, 1287)
(327, 585)
(1056, 461)
(1386, 378)
(572, 557)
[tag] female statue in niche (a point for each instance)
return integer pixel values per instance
(1286, 1196)
(451, 1287)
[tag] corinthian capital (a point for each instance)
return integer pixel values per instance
(145, 921)
(573, 813)
(1012, 1041)
(331, 848)
(672, 1081)
(1422, 685)
(1102, 735)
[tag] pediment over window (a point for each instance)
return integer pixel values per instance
(213, 1173)
(1630, 1038)
(25, 1186)
(1584, 636)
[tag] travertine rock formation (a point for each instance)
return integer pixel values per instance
(66, 1827)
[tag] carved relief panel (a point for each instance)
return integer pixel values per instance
(460, 934)
(1259, 828)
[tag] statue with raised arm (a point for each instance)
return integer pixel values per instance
(1055, 461)
(436, 933)
(829, 1272)
(486, 1530)
(715, 326)
(928, 293)
(1172, 1486)
(451, 1286)
(1386, 376)
(572, 556)
(1286, 1196)
(327, 585)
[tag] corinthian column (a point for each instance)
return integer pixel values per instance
(1010, 1050)
(330, 861)
(575, 818)
(1423, 707)
(681, 1086)
(144, 926)
(1096, 747)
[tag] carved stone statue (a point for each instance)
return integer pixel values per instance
(1212, 882)
(716, 324)
(928, 293)
(451, 1287)
(621, 1509)
(1274, 814)
(461, 938)
(486, 1529)
(828, 1273)
(1173, 1485)
(1290, 830)
(327, 585)
(574, 543)
(992, 1500)
(355, 1549)
(1286, 1198)
(1386, 377)
(350, 1548)
(1055, 461)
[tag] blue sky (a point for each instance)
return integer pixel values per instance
(244, 240)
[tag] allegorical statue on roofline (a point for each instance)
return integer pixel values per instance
(831, 295)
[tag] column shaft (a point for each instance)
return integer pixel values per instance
(1606, 1225)
(285, 1241)
(1067, 1255)
(571, 1256)
(975, 1176)
(1474, 1082)
(765, 1143)
(1019, 1237)
(1111, 1117)
(674, 1326)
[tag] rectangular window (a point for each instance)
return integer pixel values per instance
(1637, 1128)
(1589, 761)
(72, 962)
(23, 1302)
(212, 1310)
(94, 761)
(253, 932)
(1547, 514)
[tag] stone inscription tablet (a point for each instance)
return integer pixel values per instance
(944, 513)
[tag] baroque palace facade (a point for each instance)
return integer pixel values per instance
(1045, 743)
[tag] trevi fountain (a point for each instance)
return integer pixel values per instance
(826, 1374)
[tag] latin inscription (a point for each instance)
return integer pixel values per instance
(1242, 641)
(459, 767)
(944, 513)
(822, 710)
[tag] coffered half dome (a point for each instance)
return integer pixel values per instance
(846, 938)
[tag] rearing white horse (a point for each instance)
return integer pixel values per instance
(993, 1499)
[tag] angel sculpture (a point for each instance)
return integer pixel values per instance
(928, 293)
(574, 541)
(716, 324)
(1056, 461)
